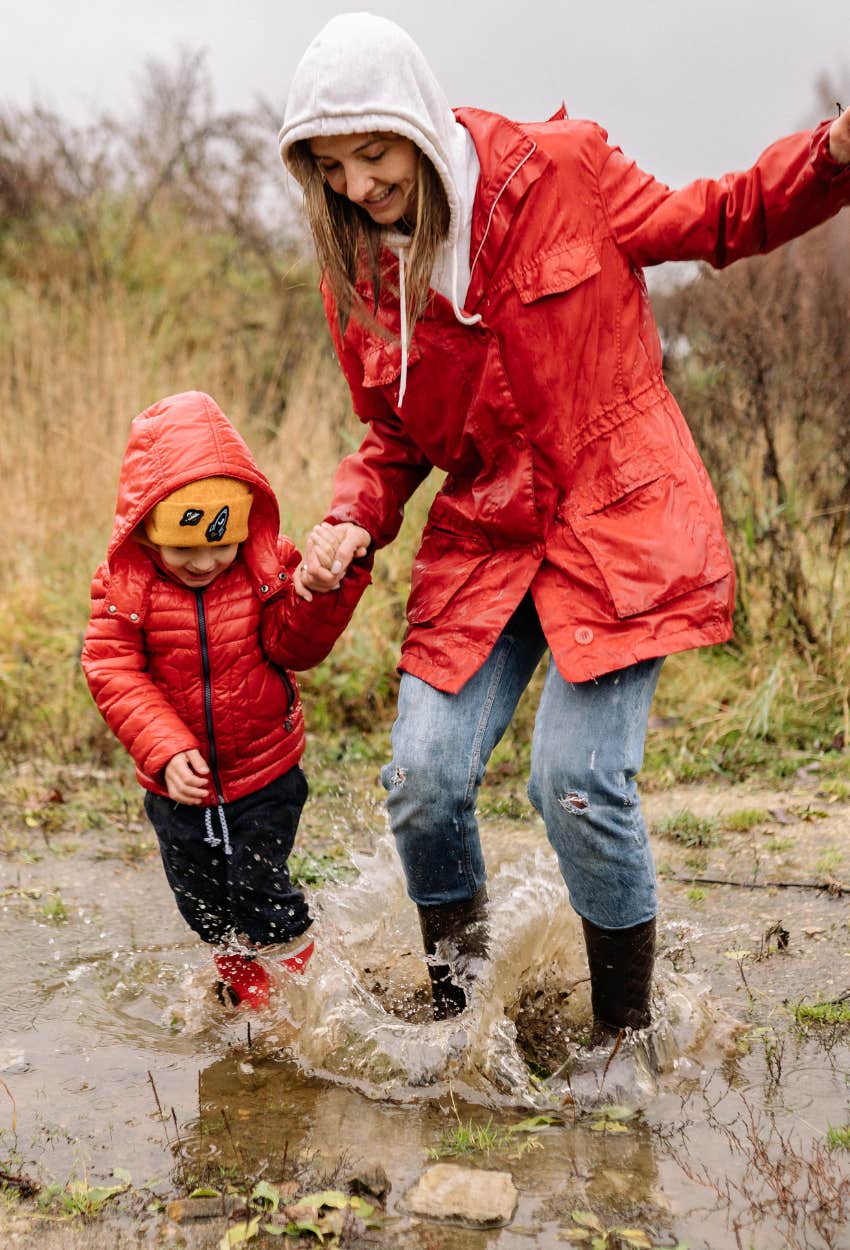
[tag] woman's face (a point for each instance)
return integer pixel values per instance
(375, 171)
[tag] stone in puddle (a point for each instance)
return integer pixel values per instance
(182, 1209)
(449, 1192)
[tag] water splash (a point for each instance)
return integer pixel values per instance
(361, 1017)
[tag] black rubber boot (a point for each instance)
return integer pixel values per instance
(462, 928)
(621, 963)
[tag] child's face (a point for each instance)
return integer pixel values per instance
(198, 566)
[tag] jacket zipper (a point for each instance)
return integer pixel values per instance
(290, 699)
(207, 678)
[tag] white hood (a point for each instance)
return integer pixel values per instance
(363, 73)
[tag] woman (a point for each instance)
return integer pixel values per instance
(483, 285)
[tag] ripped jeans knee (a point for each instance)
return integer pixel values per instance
(396, 777)
(575, 801)
(600, 839)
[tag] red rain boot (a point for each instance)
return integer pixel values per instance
(299, 956)
(244, 981)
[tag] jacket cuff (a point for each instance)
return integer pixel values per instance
(822, 159)
(344, 517)
(157, 758)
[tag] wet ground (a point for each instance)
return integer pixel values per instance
(115, 1054)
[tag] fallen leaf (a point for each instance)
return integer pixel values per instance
(238, 1234)
(587, 1220)
(635, 1237)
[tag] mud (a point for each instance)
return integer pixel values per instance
(115, 1054)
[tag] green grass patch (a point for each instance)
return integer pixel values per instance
(308, 869)
(818, 1013)
(687, 829)
(745, 819)
(828, 862)
(53, 908)
(838, 1137)
(468, 1138)
(779, 844)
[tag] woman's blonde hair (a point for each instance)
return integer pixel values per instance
(345, 237)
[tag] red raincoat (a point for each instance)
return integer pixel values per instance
(569, 467)
(172, 668)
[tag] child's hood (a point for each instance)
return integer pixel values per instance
(178, 440)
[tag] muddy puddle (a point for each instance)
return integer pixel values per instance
(116, 1054)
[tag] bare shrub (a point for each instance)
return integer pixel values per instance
(760, 362)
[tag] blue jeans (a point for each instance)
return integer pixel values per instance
(586, 751)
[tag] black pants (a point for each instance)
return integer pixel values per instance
(247, 891)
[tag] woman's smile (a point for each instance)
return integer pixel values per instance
(378, 172)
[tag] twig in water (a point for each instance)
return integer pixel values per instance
(831, 886)
(14, 1108)
(180, 1158)
(160, 1111)
(237, 1152)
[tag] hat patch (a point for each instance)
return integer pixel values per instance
(191, 516)
(218, 525)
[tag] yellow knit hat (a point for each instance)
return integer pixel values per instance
(212, 511)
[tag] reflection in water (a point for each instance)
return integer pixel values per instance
(94, 1007)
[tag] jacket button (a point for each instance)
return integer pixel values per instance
(134, 616)
(282, 576)
(112, 608)
(518, 440)
(537, 551)
(264, 590)
(583, 635)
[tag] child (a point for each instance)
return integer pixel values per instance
(196, 619)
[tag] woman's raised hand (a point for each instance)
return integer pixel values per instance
(330, 550)
(839, 138)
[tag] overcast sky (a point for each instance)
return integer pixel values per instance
(686, 87)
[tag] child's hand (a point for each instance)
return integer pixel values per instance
(323, 543)
(187, 778)
(330, 550)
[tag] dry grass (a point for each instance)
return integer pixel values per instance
(131, 269)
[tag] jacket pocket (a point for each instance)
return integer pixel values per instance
(381, 360)
(444, 563)
(654, 540)
(556, 272)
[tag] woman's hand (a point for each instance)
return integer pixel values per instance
(187, 778)
(839, 138)
(330, 550)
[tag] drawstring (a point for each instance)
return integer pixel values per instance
(402, 299)
(515, 170)
(211, 839)
(465, 319)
